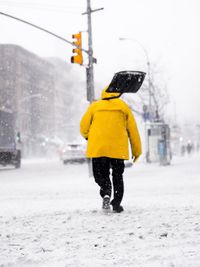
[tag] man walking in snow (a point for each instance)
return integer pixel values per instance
(108, 124)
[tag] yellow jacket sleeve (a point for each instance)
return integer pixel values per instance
(133, 134)
(86, 122)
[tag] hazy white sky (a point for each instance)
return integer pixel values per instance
(168, 29)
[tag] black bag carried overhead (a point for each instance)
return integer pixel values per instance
(126, 82)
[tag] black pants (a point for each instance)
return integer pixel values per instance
(101, 170)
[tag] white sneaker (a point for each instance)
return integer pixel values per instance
(106, 203)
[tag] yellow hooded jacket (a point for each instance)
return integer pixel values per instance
(108, 125)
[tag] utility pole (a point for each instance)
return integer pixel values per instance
(89, 68)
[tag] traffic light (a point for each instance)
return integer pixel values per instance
(78, 57)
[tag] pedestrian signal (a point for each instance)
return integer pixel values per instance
(78, 57)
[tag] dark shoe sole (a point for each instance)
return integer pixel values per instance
(118, 209)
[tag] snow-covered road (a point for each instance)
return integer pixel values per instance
(50, 215)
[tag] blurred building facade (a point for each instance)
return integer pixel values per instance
(39, 92)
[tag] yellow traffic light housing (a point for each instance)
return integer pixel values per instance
(78, 57)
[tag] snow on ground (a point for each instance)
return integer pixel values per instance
(50, 215)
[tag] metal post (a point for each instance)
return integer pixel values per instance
(148, 71)
(149, 85)
(89, 70)
(91, 60)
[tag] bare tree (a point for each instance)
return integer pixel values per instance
(152, 97)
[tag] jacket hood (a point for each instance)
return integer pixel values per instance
(106, 95)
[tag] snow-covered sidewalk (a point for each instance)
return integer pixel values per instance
(50, 215)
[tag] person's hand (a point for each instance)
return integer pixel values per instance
(135, 158)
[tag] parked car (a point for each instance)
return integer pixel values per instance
(10, 144)
(74, 152)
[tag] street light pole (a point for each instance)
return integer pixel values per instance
(147, 145)
(148, 69)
